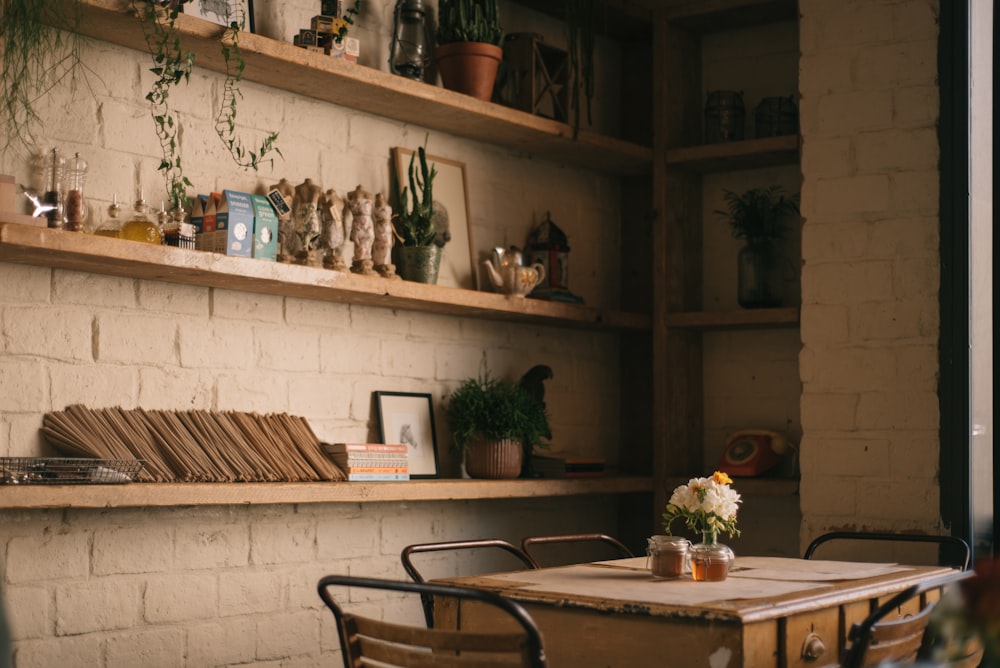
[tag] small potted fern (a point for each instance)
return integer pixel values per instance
(469, 39)
(493, 422)
(418, 258)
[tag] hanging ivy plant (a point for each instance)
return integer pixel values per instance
(172, 65)
(35, 57)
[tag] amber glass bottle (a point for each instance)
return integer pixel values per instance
(140, 227)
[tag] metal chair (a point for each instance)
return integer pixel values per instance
(532, 541)
(955, 551)
(891, 635)
(406, 556)
(366, 641)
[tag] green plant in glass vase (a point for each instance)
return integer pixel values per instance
(758, 216)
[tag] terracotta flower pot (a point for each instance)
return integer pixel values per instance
(469, 67)
(494, 459)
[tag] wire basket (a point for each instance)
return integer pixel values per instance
(67, 470)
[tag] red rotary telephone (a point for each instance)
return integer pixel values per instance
(751, 452)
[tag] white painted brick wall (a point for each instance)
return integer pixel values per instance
(236, 585)
(870, 266)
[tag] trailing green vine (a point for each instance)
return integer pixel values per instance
(172, 65)
(35, 58)
(225, 121)
(348, 19)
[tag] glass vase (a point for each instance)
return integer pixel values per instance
(710, 559)
(757, 276)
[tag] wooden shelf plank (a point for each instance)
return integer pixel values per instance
(730, 156)
(25, 244)
(146, 495)
(703, 16)
(787, 316)
(752, 486)
(287, 67)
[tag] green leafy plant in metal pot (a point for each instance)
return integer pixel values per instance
(414, 224)
(496, 410)
(469, 21)
(758, 213)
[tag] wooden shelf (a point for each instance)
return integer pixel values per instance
(702, 16)
(147, 495)
(289, 68)
(729, 156)
(752, 486)
(737, 319)
(25, 244)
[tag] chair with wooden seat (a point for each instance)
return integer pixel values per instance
(531, 544)
(520, 559)
(892, 635)
(953, 550)
(368, 642)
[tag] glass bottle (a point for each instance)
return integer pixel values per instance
(139, 226)
(111, 227)
(75, 205)
(53, 179)
(710, 559)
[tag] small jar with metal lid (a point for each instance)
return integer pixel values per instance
(668, 556)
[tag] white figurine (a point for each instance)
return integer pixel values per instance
(362, 230)
(305, 210)
(382, 248)
(333, 236)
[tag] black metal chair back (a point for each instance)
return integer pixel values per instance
(406, 556)
(530, 545)
(367, 642)
(954, 551)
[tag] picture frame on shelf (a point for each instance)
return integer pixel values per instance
(222, 12)
(451, 193)
(408, 417)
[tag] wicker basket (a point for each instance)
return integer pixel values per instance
(494, 459)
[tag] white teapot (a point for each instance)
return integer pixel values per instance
(509, 276)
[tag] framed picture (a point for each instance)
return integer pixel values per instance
(451, 201)
(223, 12)
(406, 417)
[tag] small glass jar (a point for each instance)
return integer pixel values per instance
(74, 203)
(710, 559)
(54, 170)
(139, 226)
(668, 556)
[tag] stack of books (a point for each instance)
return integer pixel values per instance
(370, 461)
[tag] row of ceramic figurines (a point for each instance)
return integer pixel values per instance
(313, 231)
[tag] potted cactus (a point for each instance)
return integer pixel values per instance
(468, 53)
(417, 256)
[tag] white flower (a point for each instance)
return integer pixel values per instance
(705, 504)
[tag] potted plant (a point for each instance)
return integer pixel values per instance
(418, 258)
(469, 39)
(757, 216)
(493, 423)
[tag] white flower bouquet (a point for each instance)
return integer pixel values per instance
(708, 505)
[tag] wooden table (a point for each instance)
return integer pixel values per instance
(770, 611)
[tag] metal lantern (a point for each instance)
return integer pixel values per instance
(548, 245)
(410, 51)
